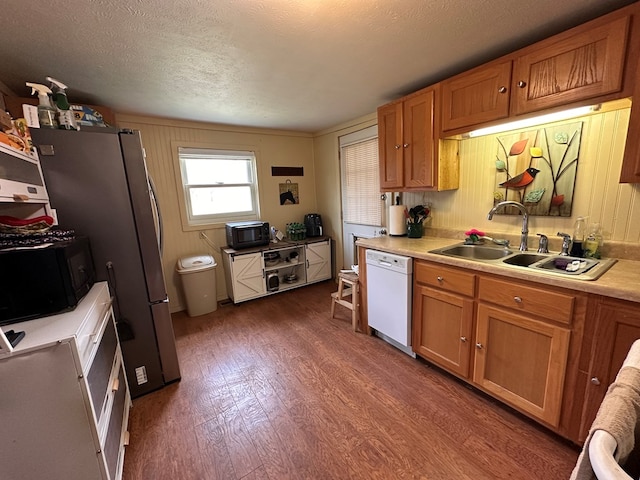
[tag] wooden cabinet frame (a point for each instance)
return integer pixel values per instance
(537, 390)
(481, 323)
(411, 156)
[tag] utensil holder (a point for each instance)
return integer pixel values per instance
(415, 230)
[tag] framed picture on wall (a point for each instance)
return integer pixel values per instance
(289, 194)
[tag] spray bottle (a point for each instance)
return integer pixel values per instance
(66, 118)
(46, 113)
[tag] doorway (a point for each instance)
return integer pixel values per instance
(363, 207)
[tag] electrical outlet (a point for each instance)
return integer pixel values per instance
(141, 375)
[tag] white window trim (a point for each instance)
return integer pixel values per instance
(187, 223)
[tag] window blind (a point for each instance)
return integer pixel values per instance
(361, 189)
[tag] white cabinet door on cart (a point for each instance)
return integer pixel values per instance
(248, 276)
(318, 261)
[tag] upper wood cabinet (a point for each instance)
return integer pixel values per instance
(478, 96)
(584, 63)
(390, 150)
(410, 156)
(630, 172)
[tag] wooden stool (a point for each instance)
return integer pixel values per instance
(353, 288)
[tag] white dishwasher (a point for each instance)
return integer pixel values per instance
(389, 282)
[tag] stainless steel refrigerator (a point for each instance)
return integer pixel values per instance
(98, 184)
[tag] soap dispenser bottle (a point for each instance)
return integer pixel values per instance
(579, 234)
(593, 243)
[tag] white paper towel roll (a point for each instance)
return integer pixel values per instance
(397, 220)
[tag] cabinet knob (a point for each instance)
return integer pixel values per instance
(595, 381)
(517, 299)
(522, 84)
(479, 346)
(116, 385)
(502, 89)
(397, 147)
(463, 339)
(440, 279)
(405, 145)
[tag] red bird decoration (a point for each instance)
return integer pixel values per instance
(522, 180)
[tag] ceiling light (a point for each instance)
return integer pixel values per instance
(528, 122)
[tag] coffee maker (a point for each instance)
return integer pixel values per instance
(313, 224)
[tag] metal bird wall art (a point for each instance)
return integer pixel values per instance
(538, 168)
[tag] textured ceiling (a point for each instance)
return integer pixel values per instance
(300, 65)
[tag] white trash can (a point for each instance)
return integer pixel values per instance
(198, 275)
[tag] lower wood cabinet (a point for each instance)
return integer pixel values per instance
(521, 360)
(517, 341)
(617, 326)
(442, 319)
(65, 399)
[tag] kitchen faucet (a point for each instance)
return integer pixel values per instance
(525, 220)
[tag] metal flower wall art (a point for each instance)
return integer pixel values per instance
(538, 169)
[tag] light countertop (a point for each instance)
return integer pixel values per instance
(621, 281)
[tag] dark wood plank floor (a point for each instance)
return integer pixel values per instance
(274, 389)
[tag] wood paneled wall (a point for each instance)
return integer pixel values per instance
(598, 194)
(273, 148)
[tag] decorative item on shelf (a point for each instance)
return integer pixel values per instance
(10, 240)
(296, 231)
(271, 258)
(291, 278)
(292, 258)
(415, 222)
(25, 226)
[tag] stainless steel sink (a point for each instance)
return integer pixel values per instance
(547, 264)
(475, 252)
(524, 259)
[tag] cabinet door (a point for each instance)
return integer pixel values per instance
(390, 145)
(47, 427)
(114, 442)
(617, 327)
(442, 328)
(318, 261)
(478, 96)
(418, 140)
(630, 172)
(247, 276)
(586, 65)
(522, 361)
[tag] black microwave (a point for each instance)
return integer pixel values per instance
(247, 234)
(39, 281)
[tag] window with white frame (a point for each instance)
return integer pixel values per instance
(218, 185)
(360, 178)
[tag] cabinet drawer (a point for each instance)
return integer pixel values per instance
(94, 324)
(119, 413)
(446, 278)
(100, 370)
(538, 301)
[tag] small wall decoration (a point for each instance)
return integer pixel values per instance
(289, 193)
(538, 169)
